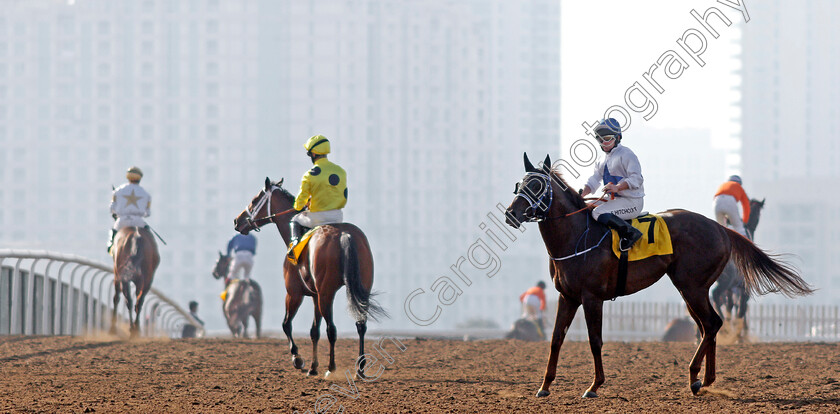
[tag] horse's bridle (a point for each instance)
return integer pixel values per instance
(536, 202)
(266, 198)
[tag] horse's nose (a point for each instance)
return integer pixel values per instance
(510, 220)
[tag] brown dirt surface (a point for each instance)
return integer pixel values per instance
(64, 374)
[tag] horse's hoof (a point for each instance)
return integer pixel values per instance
(359, 375)
(695, 386)
(543, 393)
(327, 375)
(312, 372)
(589, 394)
(298, 362)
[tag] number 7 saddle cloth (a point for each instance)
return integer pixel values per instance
(655, 241)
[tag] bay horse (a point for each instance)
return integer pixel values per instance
(584, 270)
(243, 300)
(729, 295)
(337, 255)
(136, 258)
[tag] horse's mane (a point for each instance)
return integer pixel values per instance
(575, 197)
(284, 192)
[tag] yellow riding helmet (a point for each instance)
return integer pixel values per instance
(134, 174)
(318, 145)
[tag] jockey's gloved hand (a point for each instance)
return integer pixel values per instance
(114, 216)
(580, 192)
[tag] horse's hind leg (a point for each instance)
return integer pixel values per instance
(325, 303)
(292, 305)
(117, 293)
(129, 303)
(257, 322)
(703, 313)
(565, 313)
(361, 328)
(315, 335)
(141, 297)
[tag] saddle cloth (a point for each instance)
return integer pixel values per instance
(655, 241)
(298, 249)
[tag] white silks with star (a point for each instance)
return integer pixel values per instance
(130, 203)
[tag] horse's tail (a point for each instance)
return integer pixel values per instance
(764, 273)
(359, 300)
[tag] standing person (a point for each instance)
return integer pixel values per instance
(727, 197)
(189, 330)
(242, 248)
(130, 203)
(533, 304)
(621, 174)
(323, 188)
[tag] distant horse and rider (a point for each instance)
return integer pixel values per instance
(133, 248)
(242, 299)
(585, 271)
(337, 255)
(729, 295)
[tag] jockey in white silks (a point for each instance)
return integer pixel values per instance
(621, 174)
(242, 248)
(130, 203)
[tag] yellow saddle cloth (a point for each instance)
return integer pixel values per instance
(294, 252)
(655, 241)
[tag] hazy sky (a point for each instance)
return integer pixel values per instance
(606, 46)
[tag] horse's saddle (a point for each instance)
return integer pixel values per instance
(655, 241)
(296, 250)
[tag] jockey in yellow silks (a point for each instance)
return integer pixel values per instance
(324, 188)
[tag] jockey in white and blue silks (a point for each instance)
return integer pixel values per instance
(621, 174)
(243, 247)
(130, 203)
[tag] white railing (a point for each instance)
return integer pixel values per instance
(45, 293)
(645, 321)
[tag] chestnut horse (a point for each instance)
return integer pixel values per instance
(584, 270)
(136, 258)
(337, 255)
(243, 300)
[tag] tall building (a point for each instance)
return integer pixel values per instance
(429, 105)
(790, 152)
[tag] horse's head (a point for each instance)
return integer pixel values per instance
(539, 192)
(271, 200)
(755, 215)
(222, 265)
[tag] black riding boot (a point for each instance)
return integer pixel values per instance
(629, 235)
(297, 232)
(111, 240)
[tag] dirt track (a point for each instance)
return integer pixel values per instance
(61, 374)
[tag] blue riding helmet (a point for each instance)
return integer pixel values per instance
(608, 126)
(736, 178)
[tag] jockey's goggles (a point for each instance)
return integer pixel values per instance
(605, 139)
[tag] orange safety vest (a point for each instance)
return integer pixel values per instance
(536, 290)
(735, 190)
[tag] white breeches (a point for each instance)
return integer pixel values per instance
(129, 221)
(625, 208)
(726, 207)
(313, 219)
(242, 263)
(531, 307)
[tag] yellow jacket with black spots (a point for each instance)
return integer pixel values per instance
(326, 183)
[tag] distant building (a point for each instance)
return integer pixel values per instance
(429, 105)
(790, 150)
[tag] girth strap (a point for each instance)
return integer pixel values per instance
(621, 285)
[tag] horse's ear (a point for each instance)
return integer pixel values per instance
(762, 201)
(267, 184)
(220, 254)
(547, 164)
(280, 182)
(528, 166)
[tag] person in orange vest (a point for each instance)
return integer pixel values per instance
(533, 304)
(727, 198)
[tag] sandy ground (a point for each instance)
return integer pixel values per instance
(64, 374)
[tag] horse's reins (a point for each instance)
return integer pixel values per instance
(588, 206)
(266, 198)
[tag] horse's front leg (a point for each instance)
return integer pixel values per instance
(117, 293)
(593, 311)
(565, 314)
(292, 305)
